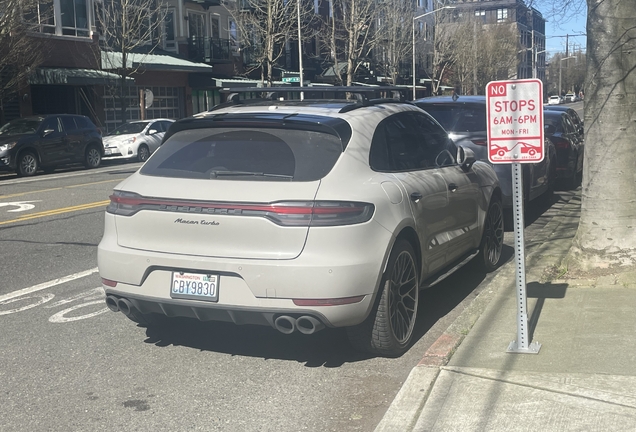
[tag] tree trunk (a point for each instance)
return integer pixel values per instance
(607, 231)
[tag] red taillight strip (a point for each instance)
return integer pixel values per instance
(273, 208)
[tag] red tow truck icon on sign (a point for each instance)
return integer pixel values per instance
(524, 146)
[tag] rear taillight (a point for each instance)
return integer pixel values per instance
(109, 283)
(560, 143)
(480, 142)
(284, 213)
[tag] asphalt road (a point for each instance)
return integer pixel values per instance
(68, 363)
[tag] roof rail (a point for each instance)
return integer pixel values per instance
(360, 93)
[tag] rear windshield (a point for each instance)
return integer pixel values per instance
(246, 154)
(458, 118)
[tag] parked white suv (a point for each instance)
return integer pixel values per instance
(299, 215)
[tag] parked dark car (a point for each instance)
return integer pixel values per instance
(559, 127)
(30, 143)
(576, 120)
(465, 120)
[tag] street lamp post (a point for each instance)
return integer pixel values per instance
(560, 72)
(300, 51)
(535, 72)
(414, 19)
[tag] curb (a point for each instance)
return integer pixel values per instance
(405, 409)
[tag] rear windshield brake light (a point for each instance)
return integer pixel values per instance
(285, 213)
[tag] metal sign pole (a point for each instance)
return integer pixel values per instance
(521, 345)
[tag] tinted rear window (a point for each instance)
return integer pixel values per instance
(458, 118)
(246, 154)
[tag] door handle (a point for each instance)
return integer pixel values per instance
(452, 187)
(416, 196)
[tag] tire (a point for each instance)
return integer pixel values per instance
(143, 153)
(27, 164)
(92, 157)
(492, 238)
(388, 330)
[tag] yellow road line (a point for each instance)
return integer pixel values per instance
(60, 188)
(57, 211)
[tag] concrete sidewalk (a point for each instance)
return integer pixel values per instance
(583, 378)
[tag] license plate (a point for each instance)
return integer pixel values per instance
(107, 151)
(195, 286)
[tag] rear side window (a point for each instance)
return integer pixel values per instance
(84, 123)
(408, 142)
(69, 124)
(246, 154)
(458, 118)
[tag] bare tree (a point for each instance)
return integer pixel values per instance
(265, 26)
(127, 26)
(394, 43)
(350, 35)
(20, 54)
(497, 53)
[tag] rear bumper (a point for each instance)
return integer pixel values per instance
(251, 290)
(263, 313)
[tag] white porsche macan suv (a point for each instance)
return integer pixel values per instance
(299, 215)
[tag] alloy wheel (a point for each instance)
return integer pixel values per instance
(143, 153)
(403, 297)
(493, 234)
(93, 158)
(28, 164)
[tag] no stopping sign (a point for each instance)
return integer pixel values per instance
(514, 111)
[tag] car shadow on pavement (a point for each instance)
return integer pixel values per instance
(326, 348)
(439, 300)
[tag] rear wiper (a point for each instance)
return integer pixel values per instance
(215, 174)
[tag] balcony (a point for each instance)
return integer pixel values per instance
(209, 50)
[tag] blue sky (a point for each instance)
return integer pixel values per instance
(573, 25)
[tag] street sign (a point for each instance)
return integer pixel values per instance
(293, 79)
(514, 112)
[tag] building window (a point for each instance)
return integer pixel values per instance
(60, 17)
(74, 17)
(169, 31)
(480, 12)
(215, 28)
(502, 15)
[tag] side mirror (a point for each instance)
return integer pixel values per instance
(549, 129)
(152, 131)
(465, 157)
(47, 132)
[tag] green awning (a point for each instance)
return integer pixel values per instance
(63, 76)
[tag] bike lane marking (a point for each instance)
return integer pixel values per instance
(45, 285)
